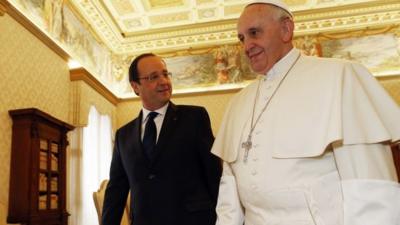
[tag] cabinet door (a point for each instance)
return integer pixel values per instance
(49, 174)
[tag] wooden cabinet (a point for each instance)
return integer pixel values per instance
(38, 169)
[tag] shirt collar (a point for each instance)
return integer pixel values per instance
(283, 64)
(161, 111)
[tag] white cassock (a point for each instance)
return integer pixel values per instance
(320, 152)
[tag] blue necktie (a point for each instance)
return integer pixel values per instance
(150, 135)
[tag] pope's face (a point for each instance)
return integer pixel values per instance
(264, 36)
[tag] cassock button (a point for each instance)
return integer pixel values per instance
(151, 176)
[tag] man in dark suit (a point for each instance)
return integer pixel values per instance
(163, 157)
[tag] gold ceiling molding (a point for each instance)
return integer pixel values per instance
(347, 23)
(182, 37)
(183, 43)
(359, 33)
(347, 10)
(389, 78)
(2, 8)
(182, 31)
(81, 74)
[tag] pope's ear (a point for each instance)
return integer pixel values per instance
(287, 28)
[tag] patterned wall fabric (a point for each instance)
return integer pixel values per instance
(31, 75)
(34, 76)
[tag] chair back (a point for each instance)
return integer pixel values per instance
(98, 198)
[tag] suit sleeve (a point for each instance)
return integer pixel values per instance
(211, 163)
(117, 190)
(371, 193)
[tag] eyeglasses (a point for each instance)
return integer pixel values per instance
(155, 76)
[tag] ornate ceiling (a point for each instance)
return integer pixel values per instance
(135, 26)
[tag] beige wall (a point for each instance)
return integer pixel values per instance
(31, 76)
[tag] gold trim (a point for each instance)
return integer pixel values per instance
(83, 75)
(386, 78)
(31, 27)
(334, 12)
(358, 33)
(3, 8)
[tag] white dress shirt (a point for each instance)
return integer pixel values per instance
(158, 120)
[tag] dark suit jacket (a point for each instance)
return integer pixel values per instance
(180, 186)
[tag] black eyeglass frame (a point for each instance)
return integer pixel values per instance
(155, 76)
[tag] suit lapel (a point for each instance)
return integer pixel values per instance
(167, 129)
(135, 142)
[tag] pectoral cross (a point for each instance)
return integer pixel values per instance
(247, 146)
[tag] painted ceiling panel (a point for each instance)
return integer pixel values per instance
(161, 4)
(122, 7)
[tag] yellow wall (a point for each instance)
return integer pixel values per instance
(31, 76)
